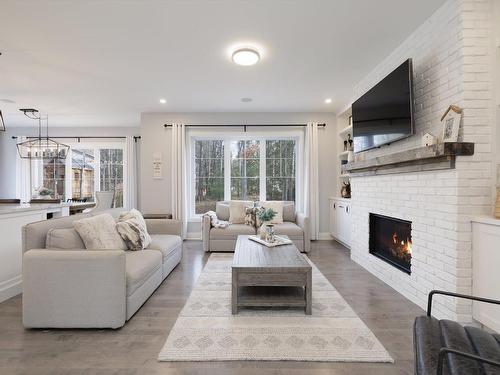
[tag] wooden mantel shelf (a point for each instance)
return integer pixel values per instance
(427, 158)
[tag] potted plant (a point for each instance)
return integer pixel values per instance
(265, 216)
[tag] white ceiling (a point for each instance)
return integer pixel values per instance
(102, 63)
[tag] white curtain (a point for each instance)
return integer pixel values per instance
(131, 168)
(311, 193)
(23, 180)
(179, 183)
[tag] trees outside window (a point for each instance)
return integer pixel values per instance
(241, 169)
(209, 174)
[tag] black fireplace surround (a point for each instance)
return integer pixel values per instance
(390, 240)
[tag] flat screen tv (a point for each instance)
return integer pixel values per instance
(385, 113)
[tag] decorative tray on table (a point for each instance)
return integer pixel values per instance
(277, 242)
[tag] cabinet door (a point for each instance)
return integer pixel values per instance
(333, 218)
(340, 215)
(347, 225)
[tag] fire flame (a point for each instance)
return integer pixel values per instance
(406, 245)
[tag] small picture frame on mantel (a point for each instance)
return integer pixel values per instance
(451, 124)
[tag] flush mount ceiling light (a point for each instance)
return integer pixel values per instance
(246, 100)
(328, 100)
(245, 56)
(163, 101)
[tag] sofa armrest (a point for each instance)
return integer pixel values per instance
(205, 232)
(303, 222)
(164, 226)
(74, 288)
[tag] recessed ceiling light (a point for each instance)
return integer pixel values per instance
(328, 100)
(245, 56)
(246, 100)
(163, 101)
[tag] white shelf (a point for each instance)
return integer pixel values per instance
(343, 154)
(347, 130)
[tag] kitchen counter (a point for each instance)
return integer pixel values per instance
(12, 218)
(25, 207)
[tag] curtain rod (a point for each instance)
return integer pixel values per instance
(245, 126)
(88, 137)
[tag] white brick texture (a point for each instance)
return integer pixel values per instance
(451, 55)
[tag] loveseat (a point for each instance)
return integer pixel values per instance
(79, 288)
(295, 226)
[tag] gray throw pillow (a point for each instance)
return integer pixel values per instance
(64, 239)
(99, 233)
(132, 229)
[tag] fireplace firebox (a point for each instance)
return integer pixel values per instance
(390, 240)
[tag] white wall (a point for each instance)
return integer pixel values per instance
(8, 150)
(156, 194)
(452, 54)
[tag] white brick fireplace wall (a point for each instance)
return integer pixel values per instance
(451, 55)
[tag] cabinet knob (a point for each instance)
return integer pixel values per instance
(347, 209)
(335, 205)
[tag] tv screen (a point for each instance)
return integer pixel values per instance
(385, 113)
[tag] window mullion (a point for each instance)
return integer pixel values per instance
(262, 170)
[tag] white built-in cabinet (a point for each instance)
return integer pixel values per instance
(340, 220)
(485, 270)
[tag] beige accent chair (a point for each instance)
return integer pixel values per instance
(104, 200)
(295, 226)
(79, 288)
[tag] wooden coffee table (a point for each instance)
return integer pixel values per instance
(269, 277)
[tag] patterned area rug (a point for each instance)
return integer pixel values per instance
(207, 331)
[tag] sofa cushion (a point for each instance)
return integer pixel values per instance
(289, 229)
(231, 232)
(132, 229)
(99, 233)
(139, 266)
(166, 243)
(289, 211)
(222, 210)
(237, 211)
(277, 207)
(64, 238)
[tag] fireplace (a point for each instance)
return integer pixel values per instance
(390, 240)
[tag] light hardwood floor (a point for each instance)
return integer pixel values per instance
(133, 349)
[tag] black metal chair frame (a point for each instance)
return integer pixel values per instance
(443, 351)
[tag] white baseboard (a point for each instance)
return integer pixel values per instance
(11, 288)
(324, 236)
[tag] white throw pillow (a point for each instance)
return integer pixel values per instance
(237, 211)
(277, 207)
(99, 233)
(132, 229)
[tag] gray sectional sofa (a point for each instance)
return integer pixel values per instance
(79, 288)
(295, 225)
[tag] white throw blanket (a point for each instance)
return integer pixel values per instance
(215, 222)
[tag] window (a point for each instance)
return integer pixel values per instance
(262, 168)
(209, 174)
(87, 169)
(111, 176)
(49, 179)
(82, 174)
(280, 170)
(245, 174)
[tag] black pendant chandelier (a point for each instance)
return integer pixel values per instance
(41, 147)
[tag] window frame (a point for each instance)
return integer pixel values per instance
(96, 146)
(230, 136)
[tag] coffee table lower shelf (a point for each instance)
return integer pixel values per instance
(271, 296)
